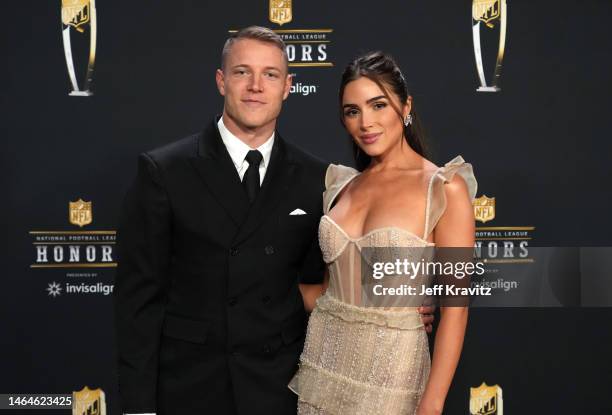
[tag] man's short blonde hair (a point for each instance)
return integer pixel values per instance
(263, 34)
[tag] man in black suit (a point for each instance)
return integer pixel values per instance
(216, 234)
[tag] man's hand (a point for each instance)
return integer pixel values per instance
(427, 317)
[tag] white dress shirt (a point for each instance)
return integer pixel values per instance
(238, 150)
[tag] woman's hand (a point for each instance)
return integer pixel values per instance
(428, 409)
(310, 293)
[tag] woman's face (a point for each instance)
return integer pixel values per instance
(370, 119)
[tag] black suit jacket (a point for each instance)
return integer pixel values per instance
(208, 313)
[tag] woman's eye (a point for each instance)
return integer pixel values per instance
(379, 105)
(350, 113)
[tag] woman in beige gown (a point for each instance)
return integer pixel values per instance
(362, 360)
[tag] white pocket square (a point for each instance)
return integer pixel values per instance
(298, 212)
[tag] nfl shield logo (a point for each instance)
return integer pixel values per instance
(484, 208)
(486, 400)
(79, 213)
(280, 11)
(485, 11)
(88, 402)
(75, 13)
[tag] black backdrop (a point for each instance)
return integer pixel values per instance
(540, 146)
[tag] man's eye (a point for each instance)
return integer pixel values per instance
(271, 75)
(240, 72)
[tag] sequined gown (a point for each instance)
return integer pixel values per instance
(363, 360)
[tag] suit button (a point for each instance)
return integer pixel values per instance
(234, 251)
(269, 250)
(232, 301)
(266, 299)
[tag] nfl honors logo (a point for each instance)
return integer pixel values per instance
(79, 213)
(486, 400)
(88, 402)
(484, 208)
(75, 13)
(280, 11)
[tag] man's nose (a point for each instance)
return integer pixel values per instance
(256, 85)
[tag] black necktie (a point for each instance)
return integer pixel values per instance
(250, 181)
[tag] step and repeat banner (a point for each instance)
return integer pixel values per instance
(520, 89)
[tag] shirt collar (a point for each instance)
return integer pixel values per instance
(238, 149)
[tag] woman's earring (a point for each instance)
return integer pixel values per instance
(408, 120)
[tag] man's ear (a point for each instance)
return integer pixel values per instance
(288, 83)
(220, 79)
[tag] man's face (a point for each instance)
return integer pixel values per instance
(254, 83)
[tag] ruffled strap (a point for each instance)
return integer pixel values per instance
(436, 196)
(336, 178)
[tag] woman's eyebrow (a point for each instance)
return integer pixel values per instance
(367, 102)
(375, 98)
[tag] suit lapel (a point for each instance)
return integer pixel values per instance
(218, 172)
(280, 174)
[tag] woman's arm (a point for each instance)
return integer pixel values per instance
(310, 292)
(454, 229)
